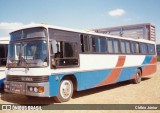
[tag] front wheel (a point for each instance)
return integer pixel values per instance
(65, 91)
(138, 77)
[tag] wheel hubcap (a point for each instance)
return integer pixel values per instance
(65, 89)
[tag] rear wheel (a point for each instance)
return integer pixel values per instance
(138, 77)
(65, 91)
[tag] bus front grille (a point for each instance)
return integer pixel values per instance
(32, 79)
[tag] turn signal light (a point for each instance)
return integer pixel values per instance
(40, 89)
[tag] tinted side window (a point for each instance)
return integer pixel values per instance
(70, 49)
(143, 48)
(67, 54)
(151, 49)
(128, 48)
(116, 46)
(110, 45)
(103, 44)
(95, 44)
(123, 50)
(84, 43)
(135, 47)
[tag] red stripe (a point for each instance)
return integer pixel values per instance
(114, 73)
(121, 61)
(149, 69)
(133, 77)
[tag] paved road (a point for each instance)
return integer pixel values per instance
(147, 92)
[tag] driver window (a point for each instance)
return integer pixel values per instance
(67, 54)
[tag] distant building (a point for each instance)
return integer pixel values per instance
(144, 31)
(158, 49)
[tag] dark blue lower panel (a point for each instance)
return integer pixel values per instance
(2, 83)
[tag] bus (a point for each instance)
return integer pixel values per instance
(50, 61)
(3, 59)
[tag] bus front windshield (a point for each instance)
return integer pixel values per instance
(28, 54)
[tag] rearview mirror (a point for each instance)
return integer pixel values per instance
(54, 46)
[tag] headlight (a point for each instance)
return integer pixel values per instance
(7, 86)
(35, 89)
(31, 89)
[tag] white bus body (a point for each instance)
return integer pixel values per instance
(55, 61)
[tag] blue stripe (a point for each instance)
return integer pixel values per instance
(147, 60)
(90, 79)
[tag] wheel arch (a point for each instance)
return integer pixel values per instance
(73, 78)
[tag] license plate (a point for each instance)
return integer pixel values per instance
(17, 90)
(17, 87)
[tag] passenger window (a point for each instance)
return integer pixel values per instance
(116, 46)
(103, 44)
(95, 44)
(123, 46)
(128, 48)
(110, 45)
(143, 48)
(134, 47)
(137, 47)
(151, 49)
(84, 43)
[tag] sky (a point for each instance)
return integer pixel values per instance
(78, 14)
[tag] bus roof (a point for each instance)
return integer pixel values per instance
(4, 40)
(83, 32)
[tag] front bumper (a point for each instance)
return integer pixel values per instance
(23, 88)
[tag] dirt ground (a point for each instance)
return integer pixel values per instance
(147, 92)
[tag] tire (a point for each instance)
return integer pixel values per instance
(65, 91)
(138, 77)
